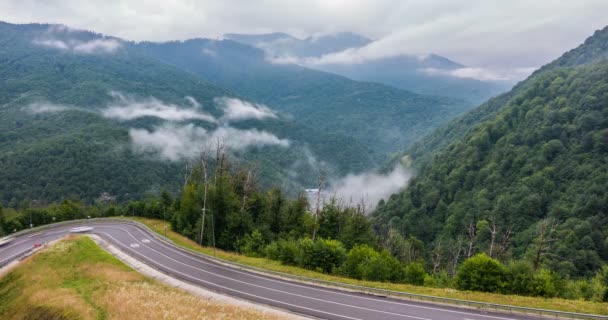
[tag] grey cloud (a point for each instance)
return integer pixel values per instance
(172, 142)
(370, 186)
(45, 107)
(84, 47)
(478, 33)
(129, 108)
(236, 109)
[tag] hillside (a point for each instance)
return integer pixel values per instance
(428, 74)
(82, 114)
(595, 48)
(382, 118)
(528, 178)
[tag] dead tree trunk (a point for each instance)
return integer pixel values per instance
(316, 215)
(472, 232)
(204, 209)
(545, 232)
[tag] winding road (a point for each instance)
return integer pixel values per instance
(305, 299)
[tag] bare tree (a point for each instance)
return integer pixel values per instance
(204, 167)
(545, 237)
(455, 252)
(321, 185)
(436, 255)
(246, 188)
(504, 242)
(472, 232)
(187, 173)
(493, 229)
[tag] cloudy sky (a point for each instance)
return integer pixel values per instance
(494, 34)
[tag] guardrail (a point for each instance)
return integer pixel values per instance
(15, 257)
(384, 292)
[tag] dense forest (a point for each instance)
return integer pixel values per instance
(527, 183)
(223, 206)
(71, 149)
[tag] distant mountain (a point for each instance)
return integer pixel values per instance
(383, 118)
(82, 114)
(523, 176)
(282, 44)
(426, 74)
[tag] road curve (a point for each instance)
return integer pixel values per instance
(301, 298)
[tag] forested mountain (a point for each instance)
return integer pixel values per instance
(524, 176)
(383, 118)
(429, 74)
(282, 44)
(82, 114)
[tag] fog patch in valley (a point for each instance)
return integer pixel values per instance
(370, 187)
(236, 109)
(172, 142)
(128, 108)
(45, 107)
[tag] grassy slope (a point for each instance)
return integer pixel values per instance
(531, 302)
(75, 279)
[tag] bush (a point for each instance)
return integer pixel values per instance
(519, 277)
(252, 244)
(546, 284)
(414, 274)
(382, 267)
(355, 258)
(320, 255)
(285, 251)
(481, 273)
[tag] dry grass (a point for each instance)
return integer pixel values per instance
(75, 279)
(530, 302)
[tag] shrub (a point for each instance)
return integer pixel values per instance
(481, 273)
(519, 277)
(355, 258)
(252, 244)
(414, 274)
(322, 255)
(546, 284)
(382, 267)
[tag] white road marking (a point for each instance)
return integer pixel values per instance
(35, 234)
(241, 292)
(277, 290)
(145, 240)
(134, 245)
(323, 290)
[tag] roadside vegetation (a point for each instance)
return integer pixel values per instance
(75, 279)
(436, 289)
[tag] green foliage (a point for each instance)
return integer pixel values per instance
(414, 274)
(51, 156)
(382, 118)
(535, 154)
(481, 273)
(253, 244)
(325, 255)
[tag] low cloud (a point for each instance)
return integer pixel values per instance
(45, 107)
(481, 73)
(235, 110)
(371, 187)
(174, 143)
(129, 108)
(96, 46)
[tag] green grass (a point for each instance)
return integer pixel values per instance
(75, 279)
(531, 302)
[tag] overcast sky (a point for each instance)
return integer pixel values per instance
(479, 33)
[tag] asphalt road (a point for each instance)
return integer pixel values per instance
(301, 298)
